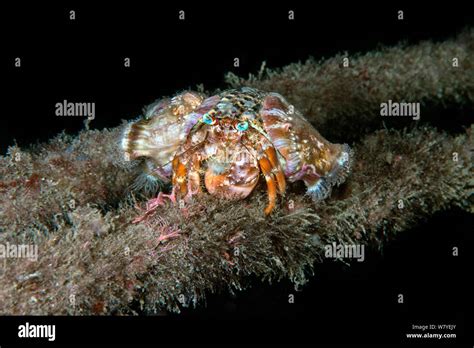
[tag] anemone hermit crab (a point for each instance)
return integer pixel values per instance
(229, 139)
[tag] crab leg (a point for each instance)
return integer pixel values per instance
(266, 167)
(276, 169)
(179, 176)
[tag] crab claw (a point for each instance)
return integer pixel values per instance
(223, 185)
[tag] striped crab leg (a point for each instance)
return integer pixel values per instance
(179, 180)
(266, 168)
(273, 176)
(276, 169)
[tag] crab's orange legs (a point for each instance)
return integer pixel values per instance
(280, 177)
(179, 176)
(266, 167)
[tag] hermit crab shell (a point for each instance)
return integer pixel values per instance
(165, 127)
(308, 156)
(184, 138)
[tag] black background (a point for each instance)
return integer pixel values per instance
(82, 61)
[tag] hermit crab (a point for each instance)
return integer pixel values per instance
(229, 140)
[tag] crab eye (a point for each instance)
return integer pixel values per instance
(207, 119)
(242, 126)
